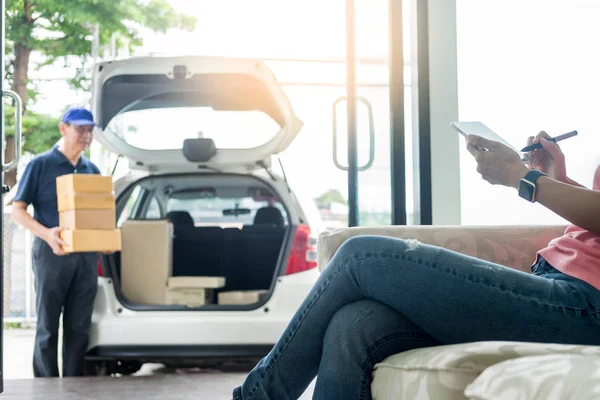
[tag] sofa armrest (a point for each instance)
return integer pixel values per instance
(511, 246)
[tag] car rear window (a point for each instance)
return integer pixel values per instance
(167, 128)
(223, 212)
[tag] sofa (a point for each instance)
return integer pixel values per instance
(481, 370)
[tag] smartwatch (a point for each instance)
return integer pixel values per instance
(527, 185)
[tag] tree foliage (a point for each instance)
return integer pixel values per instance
(40, 131)
(62, 31)
(330, 197)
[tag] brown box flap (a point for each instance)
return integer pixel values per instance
(84, 183)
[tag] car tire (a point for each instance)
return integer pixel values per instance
(126, 367)
(96, 368)
(109, 368)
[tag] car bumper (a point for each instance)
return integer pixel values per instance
(117, 330)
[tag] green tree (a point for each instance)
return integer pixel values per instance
(63, 29)
(40, 131)
(329, 197)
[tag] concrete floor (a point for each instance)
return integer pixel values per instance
(153, 381)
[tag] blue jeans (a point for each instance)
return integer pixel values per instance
(380, 296)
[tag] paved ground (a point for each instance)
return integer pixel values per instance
(152, 382)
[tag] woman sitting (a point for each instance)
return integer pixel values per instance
(380, 296)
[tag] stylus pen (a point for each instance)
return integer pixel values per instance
(554, 139)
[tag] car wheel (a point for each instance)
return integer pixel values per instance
(96, 368)
(126, 367)
(109, 368)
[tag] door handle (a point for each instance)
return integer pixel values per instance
(18, 129)
(371, 134)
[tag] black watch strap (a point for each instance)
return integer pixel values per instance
(533, 175)
(527, 187)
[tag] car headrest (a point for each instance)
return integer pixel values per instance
(268, 215)
(180, 219)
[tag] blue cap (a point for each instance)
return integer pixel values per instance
(78, 116)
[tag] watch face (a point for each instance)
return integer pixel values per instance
(526, 190)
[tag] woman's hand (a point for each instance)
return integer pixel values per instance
(497, 163)
(549, 159)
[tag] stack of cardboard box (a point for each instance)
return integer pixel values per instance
(86, 206)
(193, 291)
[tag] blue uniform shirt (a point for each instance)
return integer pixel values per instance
(38, 183)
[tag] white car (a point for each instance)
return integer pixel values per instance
(200, 135)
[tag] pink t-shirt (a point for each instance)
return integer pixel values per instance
(577, 252)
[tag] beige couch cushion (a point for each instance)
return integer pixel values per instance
(443, 372)
(549, 377)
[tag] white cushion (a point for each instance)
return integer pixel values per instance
(443, 372)
(549, 377)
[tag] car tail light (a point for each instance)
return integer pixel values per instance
(304, 251)
(99, 267)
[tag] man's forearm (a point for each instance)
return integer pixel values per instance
(576, 204)
(22, 217)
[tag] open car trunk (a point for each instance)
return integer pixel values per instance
(148, 106)
(200, 241)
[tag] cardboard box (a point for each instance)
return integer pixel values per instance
(83, 183)
(190, 297)
(193, 282)
(85, 201)
(88, 219)
(192, 291)
(241, 297)
(90, 240)
(146, 260)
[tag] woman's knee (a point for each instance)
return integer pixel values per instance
(366, 332)
(362, 245)
(369, 246)
(354, 326)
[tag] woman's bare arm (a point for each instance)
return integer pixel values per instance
(578, 205)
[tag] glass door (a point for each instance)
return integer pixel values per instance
(317, 84)
(366, 143)
(307, 54)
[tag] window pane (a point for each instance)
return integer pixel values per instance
(129, 209)
(273, 28)
(519, 74)
(167, 128)
(308, 162)
(224, 212)
(153, 211)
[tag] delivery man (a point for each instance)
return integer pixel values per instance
(64, 283)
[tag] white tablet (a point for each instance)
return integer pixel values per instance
(479, 129)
